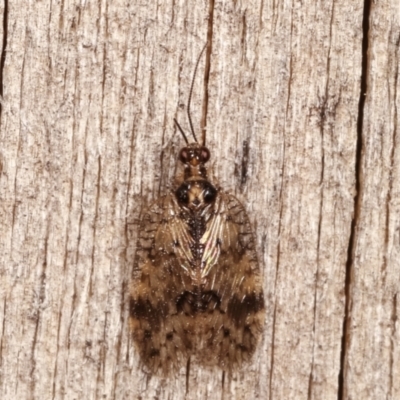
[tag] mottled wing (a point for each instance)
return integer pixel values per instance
(158, 279)
(173, 316)
(236, 321)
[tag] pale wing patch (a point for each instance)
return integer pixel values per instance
(180, 239)
(213, 239)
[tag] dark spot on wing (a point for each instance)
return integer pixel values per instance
(239, 309)
(242, 347)
(147, 334)
(154, 353)
(143, 309)
(192, 303)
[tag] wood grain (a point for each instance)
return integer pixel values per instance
(372, 367)
(90, 90)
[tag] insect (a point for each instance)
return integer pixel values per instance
(196, 291)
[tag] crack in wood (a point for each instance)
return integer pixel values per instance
(357, 204)
(3, 51)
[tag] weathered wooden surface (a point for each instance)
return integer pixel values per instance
(372, 366)
(90, 91)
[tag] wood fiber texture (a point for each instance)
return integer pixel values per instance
(300, 105)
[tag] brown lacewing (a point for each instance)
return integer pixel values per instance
(196, 291)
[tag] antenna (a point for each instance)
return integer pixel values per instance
(191, 91)
(181, 130)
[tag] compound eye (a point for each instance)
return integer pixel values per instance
(182, 194)
(184, 155)
(204, 155)
(209, 193)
